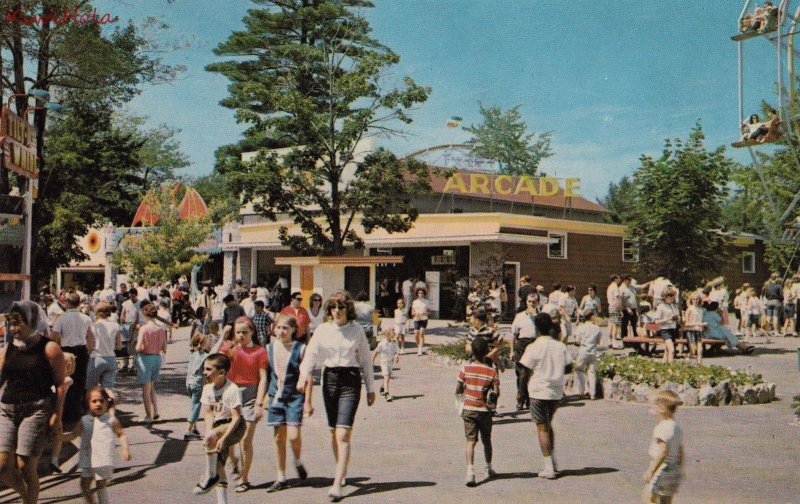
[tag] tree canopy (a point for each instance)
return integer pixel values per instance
(503, 137)
(677, 210)
(619, 201)
(310, 76)
(166, 250)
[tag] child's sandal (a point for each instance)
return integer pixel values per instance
(243, 487)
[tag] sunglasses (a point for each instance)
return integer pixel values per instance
(340, 306)
(298, 299)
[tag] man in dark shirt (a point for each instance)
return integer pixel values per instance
(231, 312)
(525, 288)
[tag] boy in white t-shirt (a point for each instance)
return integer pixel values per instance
(390, 356)
(222, 410)
(548, 360)
(663, 475)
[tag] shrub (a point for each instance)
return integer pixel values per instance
(642, 370)
(457, 350)
(796, 405)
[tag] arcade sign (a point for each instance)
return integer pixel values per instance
(485, 183)
(18, 140)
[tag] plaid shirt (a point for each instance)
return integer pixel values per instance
(262, 321)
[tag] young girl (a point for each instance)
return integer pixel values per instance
(287, 405)
(753, 310)
(249, 372)
(693, 321)
(58, 432)
(97, 430)
(198, 351)
(588, 337)
(390, 355)
(666, 451)
(401, 324)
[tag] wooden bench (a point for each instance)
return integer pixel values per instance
(647, 346)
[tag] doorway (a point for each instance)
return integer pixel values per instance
(511, 282)
(356, 279)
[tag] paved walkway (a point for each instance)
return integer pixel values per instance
(411, 450)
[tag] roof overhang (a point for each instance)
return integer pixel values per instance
(338, 260)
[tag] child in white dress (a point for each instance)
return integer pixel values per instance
(390, 356)
(663, 475)
(401, 324)
(98, 431)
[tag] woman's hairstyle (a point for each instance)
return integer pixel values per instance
(246, 321)
(30, 314)
(315, 297)
(103, 309)
(341, 298)
(593, 287)
(198, 342)
(289, 320)
(424, 291)
(668, 400)
(200, 312)
(150, 311)
(480, 348)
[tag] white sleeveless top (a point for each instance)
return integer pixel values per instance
(98, 441)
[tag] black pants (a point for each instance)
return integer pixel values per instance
(74, 402)
(523, 373)
(797, 316)
(629, 318)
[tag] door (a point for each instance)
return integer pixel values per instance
(356, 279)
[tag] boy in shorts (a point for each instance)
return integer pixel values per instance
(474, 382)
(222, 410)
(548, 360)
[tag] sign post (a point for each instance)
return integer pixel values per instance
(18, 154)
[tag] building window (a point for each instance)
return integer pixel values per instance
(749, 262)
(557, 250)
(630, 250)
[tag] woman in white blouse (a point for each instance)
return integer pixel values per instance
(316, 312)
(340, 347)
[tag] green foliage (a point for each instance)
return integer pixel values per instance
(677, 208)
(160, 152)
(642, 370)
(751, 208)
(503, 136)
(167, 249)
(308, 75)
(458, 350)
(796, 405)
(93, 178)
(223, 205)
(619, 201)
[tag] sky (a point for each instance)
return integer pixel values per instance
(610, 79)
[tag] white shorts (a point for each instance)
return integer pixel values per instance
(401, 329)
(98, 473)
(386, 369)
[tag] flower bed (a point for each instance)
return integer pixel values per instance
(637, 378)
(455, 354)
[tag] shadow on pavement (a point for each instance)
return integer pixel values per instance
(374, 488)
(505, 476)
(586, 471)
(412, 396)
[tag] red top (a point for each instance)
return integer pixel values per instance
(245, 364)
(153, 339)
(302, 319)
(476, 378)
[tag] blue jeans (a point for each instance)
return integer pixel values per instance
(194, 390)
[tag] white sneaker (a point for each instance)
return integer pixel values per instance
(547, 474)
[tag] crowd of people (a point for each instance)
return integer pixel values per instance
(251, 357)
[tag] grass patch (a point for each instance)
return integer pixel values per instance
(641, 370)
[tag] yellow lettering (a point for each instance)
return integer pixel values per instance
(571, 187)
(548, 186)
(479, 181)
(525, 184)
(455, 183)
(499, 188)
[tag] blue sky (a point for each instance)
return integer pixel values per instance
(610, 79)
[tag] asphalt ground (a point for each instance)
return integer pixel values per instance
(411, 450)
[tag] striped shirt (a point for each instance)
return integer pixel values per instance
(476, 379)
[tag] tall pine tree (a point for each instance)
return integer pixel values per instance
(308, 74)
